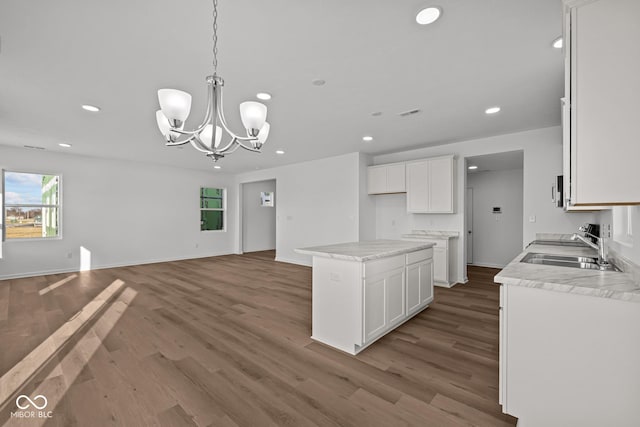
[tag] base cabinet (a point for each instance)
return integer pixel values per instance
(568, 359)
(355, 303)
(419, 285)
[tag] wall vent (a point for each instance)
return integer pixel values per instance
(409, 113)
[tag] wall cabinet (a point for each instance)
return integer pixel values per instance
(601, 110)
(430, 185)
(383, 179)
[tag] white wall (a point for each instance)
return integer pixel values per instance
(318, 203)
(542, 163)
(258, 222)
(124, 213)
(497, 238)
(630, 251)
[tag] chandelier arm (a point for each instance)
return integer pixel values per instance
(177, 143)
(226, 148)
(255, 150)
(195, 143)
(209, 113)
(231, 150)
(223, 121)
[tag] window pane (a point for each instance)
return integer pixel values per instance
(212, 198)
(27, 223)
(211, 220)
(31, 189)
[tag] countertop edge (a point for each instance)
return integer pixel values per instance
(508, 278)
(380, 255)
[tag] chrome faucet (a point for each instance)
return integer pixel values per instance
(603, 262)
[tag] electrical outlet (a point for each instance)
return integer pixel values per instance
(532, 218)
(197, 246)
(69, 255)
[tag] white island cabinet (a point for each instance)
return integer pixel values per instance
(363, 290)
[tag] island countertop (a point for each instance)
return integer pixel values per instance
(365, 251)
(603, 284)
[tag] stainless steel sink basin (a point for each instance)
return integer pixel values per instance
(587, 263)
(575, 243)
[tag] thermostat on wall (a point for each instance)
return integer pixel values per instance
(497, 210)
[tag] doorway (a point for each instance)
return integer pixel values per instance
(258, 228)
(494, 208)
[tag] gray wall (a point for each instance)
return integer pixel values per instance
(258, 222)
(497, 238)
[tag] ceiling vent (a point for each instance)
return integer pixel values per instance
(33, 147)
(409, 113)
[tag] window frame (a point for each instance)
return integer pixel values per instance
(5, 205)
(223, 209)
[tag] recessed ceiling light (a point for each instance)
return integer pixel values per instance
(492, 110)
(279, 152)
(367, 138)
(264, 96)
(65, 145)
(473, 167)
(428, 15)
(318, 82)
(91, 108)
(217, 167)
(557, 43)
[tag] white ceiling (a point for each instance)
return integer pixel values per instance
(57, 55)
(497, 162)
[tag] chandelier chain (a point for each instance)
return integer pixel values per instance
(215, 37)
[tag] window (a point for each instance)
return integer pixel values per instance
(212, 209)
(31, 205)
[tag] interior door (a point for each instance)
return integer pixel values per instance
(469, 219)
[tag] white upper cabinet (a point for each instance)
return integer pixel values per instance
(602, 108)
(384, 179)
(430, 185)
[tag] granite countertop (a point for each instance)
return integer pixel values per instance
(365, 251)
(434, 234)
(603, 284)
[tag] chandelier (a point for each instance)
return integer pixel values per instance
(175, 106)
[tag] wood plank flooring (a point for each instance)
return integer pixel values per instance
(224, 341)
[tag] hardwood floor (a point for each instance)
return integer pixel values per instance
(225, 341)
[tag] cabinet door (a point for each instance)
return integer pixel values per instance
(426, 282)
(440, 267)
(441, 185)
(396, 178)
(376, 180)
(418, 186)
(413, 287)
(394, 289)
(604, 90)
(374, 307)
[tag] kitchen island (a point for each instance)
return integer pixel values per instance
(363, 290)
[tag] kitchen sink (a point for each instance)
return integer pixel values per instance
(575, 243)
(586, 263)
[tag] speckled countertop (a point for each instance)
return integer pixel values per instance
(365, 251)
(432, 234)
(603, 284)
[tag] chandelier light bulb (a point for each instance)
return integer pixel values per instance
(206, 136)
(264, 133)
(253, 115)
(175, 104)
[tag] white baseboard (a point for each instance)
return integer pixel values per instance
(482, 264)
(293, 261)
(105, 266)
